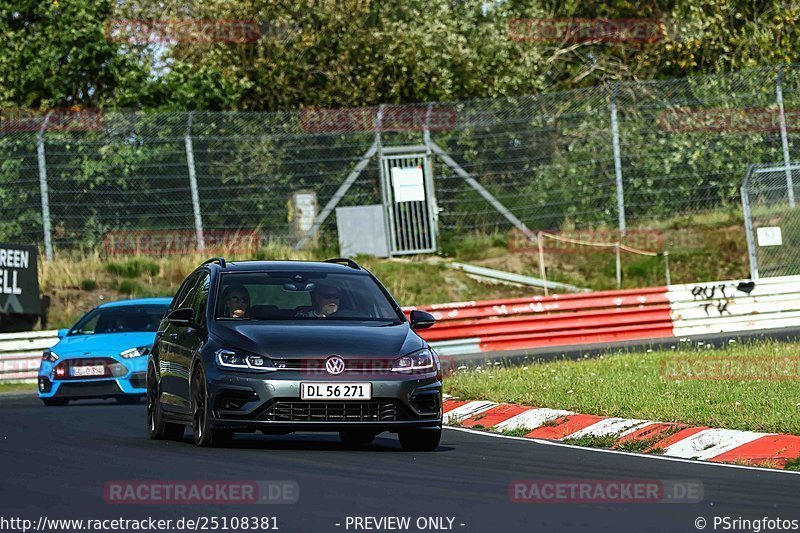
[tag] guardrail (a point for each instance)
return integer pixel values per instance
(612, 316)
(559, 320)
(20, 353)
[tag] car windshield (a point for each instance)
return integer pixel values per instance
(303, 296)
(120, 319)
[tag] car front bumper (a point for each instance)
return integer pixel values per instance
(271, 402)
(132, 382)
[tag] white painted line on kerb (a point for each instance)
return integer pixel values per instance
(610, 426)
(467, 410)
(531, 419)
(711, 443)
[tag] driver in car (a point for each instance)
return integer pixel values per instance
(324, 299)
(237, 302)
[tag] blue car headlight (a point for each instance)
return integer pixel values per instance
(136, 352)
(419, 362)
(241, 360)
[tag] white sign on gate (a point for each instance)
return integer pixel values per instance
(408, 184)
(769, 236)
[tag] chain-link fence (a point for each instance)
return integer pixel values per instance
(611, 157)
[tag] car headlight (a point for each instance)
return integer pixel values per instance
(420, 362)
(240, 360)
(49, 355)
(135, 352)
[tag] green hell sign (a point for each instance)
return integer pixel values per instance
(19, 280)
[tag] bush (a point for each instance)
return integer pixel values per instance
(129, 286)
(88, 284)
(133, 268)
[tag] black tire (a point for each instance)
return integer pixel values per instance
(356, 437)
(420, 440)
(204, 435)
(55, 402)
(128, 399)
(157, 428)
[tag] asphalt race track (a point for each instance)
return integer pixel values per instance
(56, 461)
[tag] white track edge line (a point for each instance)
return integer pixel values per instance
(620, 452)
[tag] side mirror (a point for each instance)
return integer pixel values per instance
(182, 317)
(421, 320)
(62, 333)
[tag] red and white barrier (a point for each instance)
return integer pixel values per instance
(21, 353)
(611, 316)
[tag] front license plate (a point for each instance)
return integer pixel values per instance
(335, 391)
(82, 371)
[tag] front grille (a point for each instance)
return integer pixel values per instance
(111, 368)
(352, 366)
(88, 389)
(349, 411)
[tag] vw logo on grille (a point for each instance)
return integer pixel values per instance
(334, 365)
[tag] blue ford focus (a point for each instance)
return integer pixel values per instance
(104, 354)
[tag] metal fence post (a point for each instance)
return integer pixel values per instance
(784, 137)
(542, 269)
(48, 243)
(198, 219)
(617, 159)
(748, 230)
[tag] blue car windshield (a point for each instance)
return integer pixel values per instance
(121, 319)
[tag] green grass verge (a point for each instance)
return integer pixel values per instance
(635, 385)
(17, 387)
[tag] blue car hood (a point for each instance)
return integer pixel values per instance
(102, 343)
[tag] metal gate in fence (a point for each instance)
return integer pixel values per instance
(772, 222)
(409, 199)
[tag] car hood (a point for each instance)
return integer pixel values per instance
(314, 340)
(101, 344)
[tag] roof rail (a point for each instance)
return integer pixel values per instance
(344, 261)
(220, 260)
